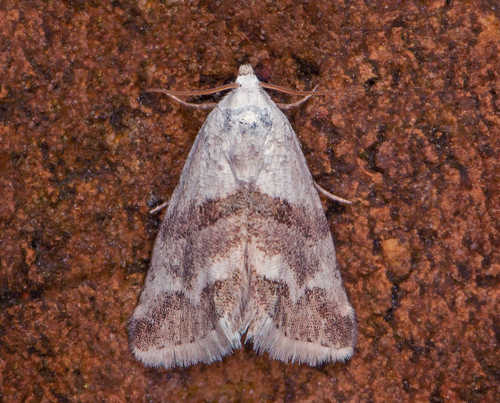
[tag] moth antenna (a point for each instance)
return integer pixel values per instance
(312, 93)
(292, 92)
(188, 93)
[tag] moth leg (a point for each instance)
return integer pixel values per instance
(298, 103)
(172, 94)
(331, 196)
(294, 105)
(191, 105)
(158, 208)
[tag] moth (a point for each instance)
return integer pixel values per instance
(244, 249)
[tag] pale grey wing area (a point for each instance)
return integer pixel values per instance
(190, 309)
(298, 309)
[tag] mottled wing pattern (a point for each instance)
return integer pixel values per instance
(190, 309)
(244, 247)
(298, 309)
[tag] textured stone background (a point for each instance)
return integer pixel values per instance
(85, 153)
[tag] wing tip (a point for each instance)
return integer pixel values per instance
(165, 353)
(269, 339)
(170, 357)
(183, 355)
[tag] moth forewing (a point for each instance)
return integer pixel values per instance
(244, 247)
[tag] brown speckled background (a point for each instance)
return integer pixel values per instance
(85, 153)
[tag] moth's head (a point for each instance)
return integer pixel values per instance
(246, 77)
(244, 70)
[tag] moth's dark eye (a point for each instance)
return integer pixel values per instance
(233, 79)
(261, 79)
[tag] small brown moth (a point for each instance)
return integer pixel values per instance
(244, 248)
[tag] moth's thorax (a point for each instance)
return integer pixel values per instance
(248, 81)
(248, 94)
(246, 116)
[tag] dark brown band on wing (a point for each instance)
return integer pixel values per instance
(212, 230)
(309, 223)
(315, 318)
(163, 322)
